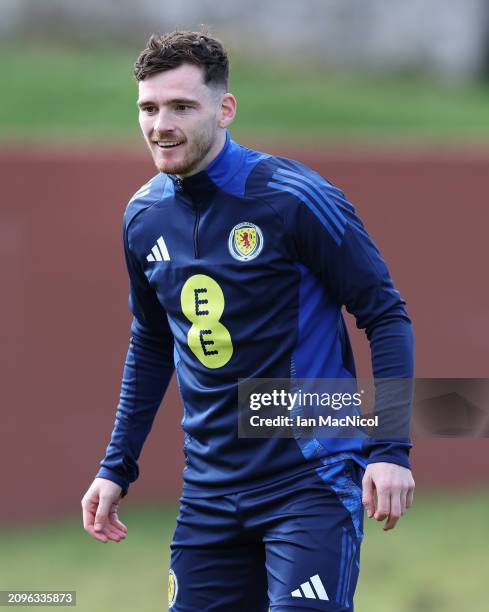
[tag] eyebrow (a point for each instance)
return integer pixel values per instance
(189, 101)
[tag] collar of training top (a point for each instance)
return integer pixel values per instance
(221, 171)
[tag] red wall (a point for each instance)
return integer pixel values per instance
(65, 320)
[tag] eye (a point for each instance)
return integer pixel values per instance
(148, 109)
(182, 107)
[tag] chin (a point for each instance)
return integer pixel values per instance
(169, 167)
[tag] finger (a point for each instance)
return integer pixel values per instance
(114, 534)
(395, 511)
(88, 518)
(410, 497)
(102, 514)
(403, 501)
(115, 529)
(383, 504)
(107, 533)
(89, 508)
(89, 511)
(101, 537)
(114, 520)
(368, 495)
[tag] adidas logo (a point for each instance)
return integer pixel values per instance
(159, 252)
(306, 589)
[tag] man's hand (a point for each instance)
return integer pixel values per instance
(394, 486)
(100, 504)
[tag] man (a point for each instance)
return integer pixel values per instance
(239, 264)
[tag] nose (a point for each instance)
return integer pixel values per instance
(164, 122)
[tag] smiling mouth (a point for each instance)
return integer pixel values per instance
(168, 144)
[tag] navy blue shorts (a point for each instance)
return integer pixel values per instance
(291, 545)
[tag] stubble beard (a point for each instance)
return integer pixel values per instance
(196, 152)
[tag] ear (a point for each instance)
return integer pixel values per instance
(227, 112)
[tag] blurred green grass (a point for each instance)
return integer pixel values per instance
(88, 94)
(434, 561)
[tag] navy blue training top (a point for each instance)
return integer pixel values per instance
(241, 271)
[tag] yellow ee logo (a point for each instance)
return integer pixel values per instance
(202, 302)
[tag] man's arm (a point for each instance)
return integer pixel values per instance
(147, 373)
(332, 241)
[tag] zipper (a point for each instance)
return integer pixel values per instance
(179, 183)
(196, 232)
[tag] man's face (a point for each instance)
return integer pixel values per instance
(182, 119)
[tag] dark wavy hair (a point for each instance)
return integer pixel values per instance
(167, 51)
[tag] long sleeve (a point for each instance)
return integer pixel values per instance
(332, 241)
(147, 372)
